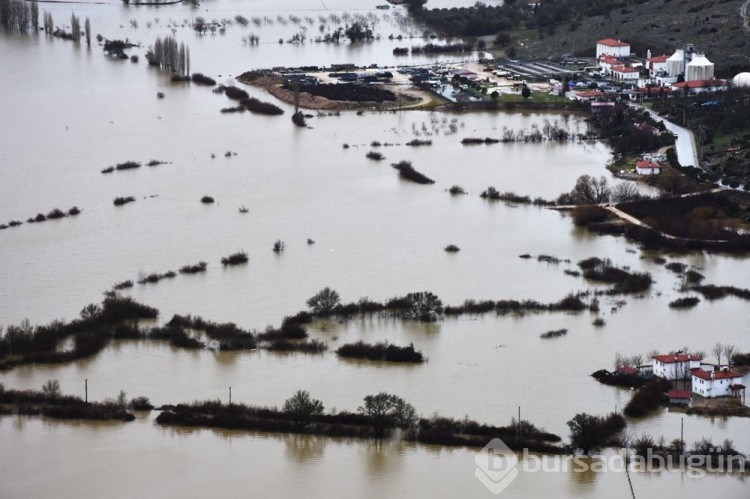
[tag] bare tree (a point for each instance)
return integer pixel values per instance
(729, 352)
(717, 350)
(590, 190)
(625, 191)
(35, 15)
(75, 28)
(87, 29)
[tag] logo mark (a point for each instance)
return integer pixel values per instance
(496, 466)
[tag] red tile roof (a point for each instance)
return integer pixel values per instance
(653, 164)
(700, 373)
(590, 93)
(628, 370)
(611, 42)
(623, 69)
(671, 359)
(679, 394)
(608, 59)
(700, 83)
(659, 58)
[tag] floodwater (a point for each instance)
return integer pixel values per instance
(69, 111)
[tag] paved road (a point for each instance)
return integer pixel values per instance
(687, 152)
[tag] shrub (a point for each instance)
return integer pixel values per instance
(74, 211)
(128, 165)
(257, 106)
(375, 155)
(140, 404)
(193, 269)
(278, 246)
(383, 351)
(324, 302)
(235, 259)
(56, 213)
(123, 285)
(456, 190)
(452, 248)
(553, 334)
(407, 171)
(202, 79)
(423, 306)
(647, 398)
(235, 93)
(207, 200)
(417, 143)
(119, 201)
(686, 302)
(301, 407)
(585, 215)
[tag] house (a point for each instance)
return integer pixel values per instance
(657, 65)
(612, 47)
(624, 73)
(675, 366)
(648, 167)
(607, 61)
(680, 397)
(722, 382)
(699, 86)
(587, 95)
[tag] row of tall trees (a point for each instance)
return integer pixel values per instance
(169, 55)
(20, 17)
(17, 16)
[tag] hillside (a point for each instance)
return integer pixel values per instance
(717, 27)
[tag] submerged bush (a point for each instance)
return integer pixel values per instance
(235, 259)
(407, 171)
(193, 269)
(452, 248)
(380, 351)
(375, 155)
(686, 302)
(207, 200)
(119, 201)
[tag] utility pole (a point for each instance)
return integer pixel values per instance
(230, 395)
(86, 390)
(518, 432)
(682, 435)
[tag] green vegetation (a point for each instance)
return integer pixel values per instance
(648, 398)
(407, 171)
(623, 281)
(382, 351)
(235, 259)
(52, 403)
(589, 432)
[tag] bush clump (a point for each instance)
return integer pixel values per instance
(383, 351)
(235, 259)
(202, 79)
(452, 248)
(623, 281)
(553, 334)
(259, 107)
(686, 302)
(119, 201)
(194, 269)
(207, 200)
(407, 171)
(375, 155)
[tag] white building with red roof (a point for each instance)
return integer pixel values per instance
(612, 47)
(675, 366)
(698, 86)
(623, 72)
(606, 62)
(657, 65)
(647, 167)
(716, 383)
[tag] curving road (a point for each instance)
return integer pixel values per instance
(687, 152)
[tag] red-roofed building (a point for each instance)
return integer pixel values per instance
(698, 86)
(675, 366)
(657, 64)
(612, 47)
(716, 383)
(607, 61)
(646, 167)
(588, 95)
(624, 73)
(680, 397)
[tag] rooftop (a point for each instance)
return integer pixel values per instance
(728, 374)
(679, 394)
(671, 359)
(611, 42)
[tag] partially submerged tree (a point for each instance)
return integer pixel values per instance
(388, 411)
(301, 407)
(424, 306)
(324, 302)
(51, 389)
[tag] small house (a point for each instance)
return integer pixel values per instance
(680, 397)
(675, 366)
(647, 167)
(722, 382)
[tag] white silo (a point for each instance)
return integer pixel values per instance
(741, 80)
(699, 68)
(676, 63)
